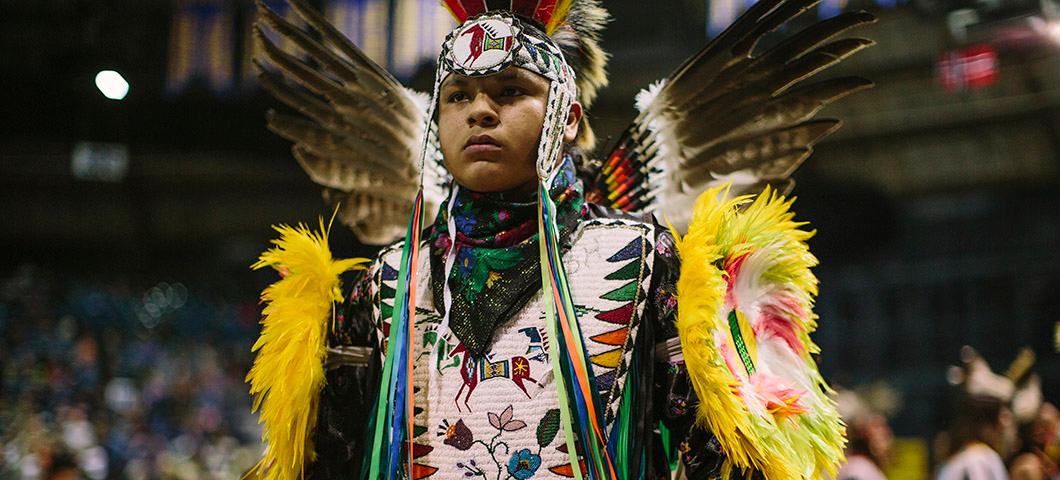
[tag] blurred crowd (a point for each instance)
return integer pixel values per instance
(101, 379)
(1000, 426)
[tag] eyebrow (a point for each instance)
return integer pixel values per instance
(514, 74)
(454, 80)
(511, 75)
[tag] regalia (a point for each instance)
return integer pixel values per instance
(540, 357)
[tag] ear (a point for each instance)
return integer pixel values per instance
(574, 116)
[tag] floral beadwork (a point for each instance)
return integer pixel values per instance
(457, 435)
(504, 421)
(520, 464)
(524, 464)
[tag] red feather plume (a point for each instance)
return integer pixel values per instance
(549, 13)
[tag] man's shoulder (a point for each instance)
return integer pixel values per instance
(394, 249)
(600, 212)
(389, 250)
(660, 232)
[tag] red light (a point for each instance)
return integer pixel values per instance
(968, 68)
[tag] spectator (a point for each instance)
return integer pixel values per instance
(980, 431)
(869, 437)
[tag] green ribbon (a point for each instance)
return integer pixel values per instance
(741, 346)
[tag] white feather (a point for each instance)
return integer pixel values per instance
(748, 288)
(420, 99)
(646, 97)
(738, 179)
(775, 358)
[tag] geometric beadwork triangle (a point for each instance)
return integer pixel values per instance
(386, 291)
(422, 471)
(608, 359)
(628, 252)
(629, 272)
(419, 451)
(613, 338)
(625, 293)
(566, 470)
(563, 470)
(605, 381)
(388, 273)
(619, 316)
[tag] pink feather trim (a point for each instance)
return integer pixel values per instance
(780, 399)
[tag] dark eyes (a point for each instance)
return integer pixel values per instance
(457, 97)
(511, 92)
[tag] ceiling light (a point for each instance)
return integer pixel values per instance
(112, 84)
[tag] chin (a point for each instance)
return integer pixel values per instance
(490, 185)
(491, 177)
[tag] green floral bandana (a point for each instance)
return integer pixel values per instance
(497, 265)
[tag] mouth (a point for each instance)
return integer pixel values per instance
(481, 144)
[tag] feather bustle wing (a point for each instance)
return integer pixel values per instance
(375, 219)
(300, 101)
(326, 172)
(359, 133)
(770, 155)
(352, 103)
(362, 150)
(814, 35)
(358, 73)
(745, 314)
(378, 77)
(731, 114)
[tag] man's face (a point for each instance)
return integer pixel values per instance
(489, 128)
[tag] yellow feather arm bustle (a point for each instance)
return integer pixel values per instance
(782, 442)
(288, 372)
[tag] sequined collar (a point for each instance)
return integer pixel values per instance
(497, 269)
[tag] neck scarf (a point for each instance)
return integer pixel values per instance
(497, 268)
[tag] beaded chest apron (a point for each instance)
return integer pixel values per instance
(497, 416)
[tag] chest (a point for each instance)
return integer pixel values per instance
(497, 416)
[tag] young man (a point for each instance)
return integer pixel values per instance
(541, 335)
(490, 406)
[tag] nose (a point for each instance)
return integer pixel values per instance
(482, 112)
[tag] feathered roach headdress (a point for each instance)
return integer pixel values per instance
(491, 37)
